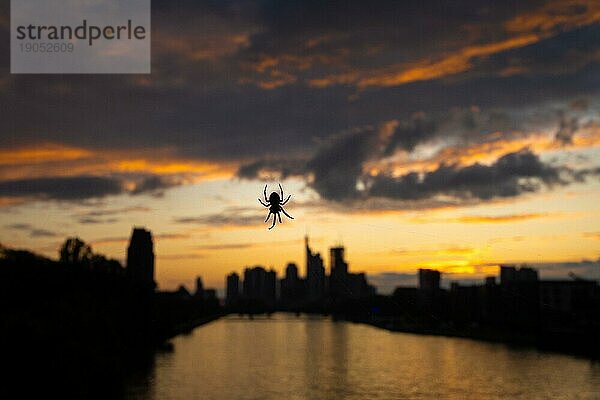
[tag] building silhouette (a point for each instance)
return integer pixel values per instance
(315, 274)
(232, 285)
(199, 288)
(338, 279)
(260, 286)
(429, 279)
(261, 290)
(140, 258)
(291, 286)
(510, 274)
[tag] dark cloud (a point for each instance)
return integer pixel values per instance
(336, 173)
(84, 187)
(587, 269)
(283, 168)
(336, 166)
(410, 133)
(203, 101)
(106, 216)
(62, 188)
(171, 236)
(568, 127)
(226, 218)
(228, 246)
(93, 221)
(155, 184)
(42, 233)
(33, 232)
(115, 211)
(510, 176)
(19, 226)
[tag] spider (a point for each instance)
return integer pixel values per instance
(275, 205)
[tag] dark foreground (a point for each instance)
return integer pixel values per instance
(80, 330)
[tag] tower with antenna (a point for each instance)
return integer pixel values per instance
(315, 273)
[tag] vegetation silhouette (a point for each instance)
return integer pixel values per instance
(78, 326)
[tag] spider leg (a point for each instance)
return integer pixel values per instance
(265, 193)
(288, 215)
(281, 189)
(286, 200)
(274, 221)
(261, 202)
(279, 215)
(268, 215)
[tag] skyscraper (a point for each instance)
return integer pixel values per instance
(199, 288)
(260, 285)
(233, 289)
(292, 287)
(140, 258)
(338, 280)
(315, 274)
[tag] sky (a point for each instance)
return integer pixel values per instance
(451, 135)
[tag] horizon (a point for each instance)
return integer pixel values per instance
(457, 146)
(386, 282)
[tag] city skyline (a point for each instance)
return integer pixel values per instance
(456, 137)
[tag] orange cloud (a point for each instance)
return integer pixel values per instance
(449, 65)
(556, 15)
(592, 235)
(50, 159)
(523, 30)
(43, 153)
(495, 219)
(450, 251)
(486, 152)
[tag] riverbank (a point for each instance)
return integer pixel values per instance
(566, 342)
(188, 326)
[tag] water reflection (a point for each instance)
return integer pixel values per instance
(285, 357)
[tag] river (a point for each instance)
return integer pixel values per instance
(287, 358)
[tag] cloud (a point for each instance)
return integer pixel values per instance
(107, 216)
(115, 211)
(227, 246)
(201, 113)
(171, 236)
(226, 218)
(338, 164)
(567, 129)
(92, 221)
(181, 256)
(497, 219)
(587, 269)
(33, 232)
(452, 251)
(42, 233)
(19, 226)
(83, 187)
(62, 188)
(592, 235)
(511, 175)
(155, 184)
(110, 240)
(247, 245)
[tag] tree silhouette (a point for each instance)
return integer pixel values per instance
(75, 251)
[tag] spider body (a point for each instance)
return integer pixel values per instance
(275, 205)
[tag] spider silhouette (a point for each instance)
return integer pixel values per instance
(275, 205)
